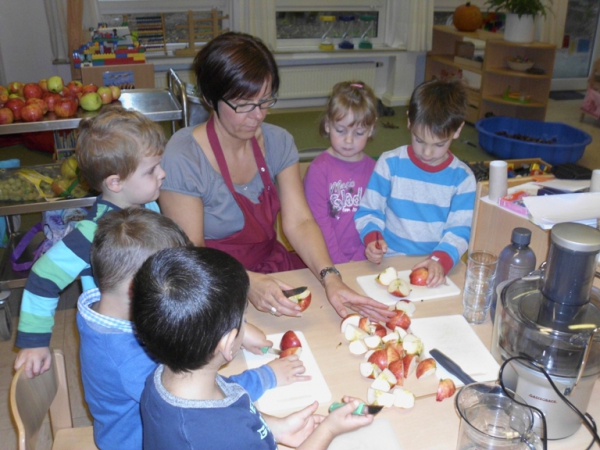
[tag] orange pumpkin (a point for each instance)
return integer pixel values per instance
(467, 17)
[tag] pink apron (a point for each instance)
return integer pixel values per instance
(256, 245)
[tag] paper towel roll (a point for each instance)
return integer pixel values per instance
(595, 184)
(498, 180)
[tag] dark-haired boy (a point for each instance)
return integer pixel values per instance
(188, 309)
(420, 198)
(114, 366)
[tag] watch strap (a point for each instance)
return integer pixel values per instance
(326, 271)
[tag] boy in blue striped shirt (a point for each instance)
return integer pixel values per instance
(420, 198)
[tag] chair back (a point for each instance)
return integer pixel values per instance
(32, 399)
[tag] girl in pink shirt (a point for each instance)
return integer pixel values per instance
(337, 178)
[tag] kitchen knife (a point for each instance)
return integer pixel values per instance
(274, 351)
(451, 366)
(362, 409)
(291, 292)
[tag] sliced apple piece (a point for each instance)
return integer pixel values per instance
(380, 398)
(397, 368)
(403, 398)
(391, 337)
(369, 370)
(426, 367)
(368, 354)
(407, 306)
(353, 333)
(302, 299)
(446, 388)
(372, 342)
(378, 329)
(392, 353)
(400, 319)
(412, 344)
(399, 288)
(401, 332)
(380, 358)
(365, 324)
(358, 347)
(410, 364)
(352, 319)
(389, 376)
(381, 384)
(386, 277)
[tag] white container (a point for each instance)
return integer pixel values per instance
(519, 29)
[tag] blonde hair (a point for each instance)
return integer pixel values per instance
(114, 142)
(348, 97)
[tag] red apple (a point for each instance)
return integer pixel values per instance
(418, 277)
(20, 97)
(378, 330)
(55, 84)
(379, 358)
(16, 105)
(68, 94)
(32, 90)
(426, 367)
(65, 107)
(386, 277)
(75, 86)
(365, 324)
(446, 388)
(43, 83)
(31, 113)
(106, 95)
(89, 88)
(399, 288)
(3, 90)
(16, 87)
(302, 299)
(3, 99)
(38, 101)
(400, 319)
(116, 92)
(291, 351)
(51, 100)
(6, 116)
(392, 354)
(410, 364)
(289, 340)
(397, 368)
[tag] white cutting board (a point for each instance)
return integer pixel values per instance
(454, 337)
(293, 396)
(379, 435)
(378, 292)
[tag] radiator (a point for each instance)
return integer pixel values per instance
(317, 80)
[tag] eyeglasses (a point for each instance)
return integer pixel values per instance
(248, 107)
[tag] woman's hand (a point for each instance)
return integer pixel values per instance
(255, 339)
(342, 297)
(266, 296)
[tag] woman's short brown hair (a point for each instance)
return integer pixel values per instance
(114, 142)
(350, 96)
(233, 66)
(439, 106)
(125, 239)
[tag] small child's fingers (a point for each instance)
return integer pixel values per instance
(301, 378)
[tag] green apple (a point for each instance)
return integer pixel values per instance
(55, 84)
(90, 101)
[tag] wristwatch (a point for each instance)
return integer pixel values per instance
(326, 271)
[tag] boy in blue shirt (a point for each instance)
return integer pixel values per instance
(188, 308)
(114, 366)
(420, 198)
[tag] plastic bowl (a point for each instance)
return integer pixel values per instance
(519, 66)
(568, 147)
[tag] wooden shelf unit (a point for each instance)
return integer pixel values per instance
(496, 77)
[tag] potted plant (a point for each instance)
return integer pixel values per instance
(520, 17)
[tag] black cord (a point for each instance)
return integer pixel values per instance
(591, 419)
(590, 425)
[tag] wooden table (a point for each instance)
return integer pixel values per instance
(430, 424)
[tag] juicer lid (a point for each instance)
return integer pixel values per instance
(576, 237)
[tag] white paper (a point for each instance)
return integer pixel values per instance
(548, 210)
(566, 185)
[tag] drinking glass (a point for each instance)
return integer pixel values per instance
(479, 285)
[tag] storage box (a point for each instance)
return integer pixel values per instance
(568, 143)
(482, 169)
(126, 76)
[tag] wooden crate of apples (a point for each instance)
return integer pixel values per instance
(32, 101)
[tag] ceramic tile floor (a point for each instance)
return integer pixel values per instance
(65, 334)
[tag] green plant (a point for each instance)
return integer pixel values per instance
(520, 7)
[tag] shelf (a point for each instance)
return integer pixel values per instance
(157, 104)
(515, 73)
(499, 99)
(449, 60)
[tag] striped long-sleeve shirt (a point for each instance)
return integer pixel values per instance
(53, 272)
(419, 210)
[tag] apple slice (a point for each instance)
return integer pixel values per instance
(388, 376)
(407, 306)
(380, 358)
(412, 344)
(291, 351)
(403, 398)
(410, 364)
(418, 277)
(400, 319)
(391, 337)
(401, 332)
(397, 368)
(426, 367)
(381, 384)
(365, 324)
(353, 333)
(357, 347)
(386, 277)
(368, 354)
(378, 329)
(289, 340)
(372, 342)
(446, 388)
(350, 319)
(392, 353)
(399, 288)
(302, 299)
(369, 370)
(380, 398)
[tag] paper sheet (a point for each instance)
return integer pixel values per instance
(548, 210)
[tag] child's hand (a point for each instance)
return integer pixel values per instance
(341, 420)
(375, 251)
(255, 339)
(36, 360)
(288, 370)
(292, 430)
(436, 272)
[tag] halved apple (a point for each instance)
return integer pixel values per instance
(357, 347)
(399, 288)
(352, 319)
(407, 306)
(386, 277)
(302, 299)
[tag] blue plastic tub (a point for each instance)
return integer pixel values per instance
(568, 147)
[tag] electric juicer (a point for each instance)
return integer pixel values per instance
(552, 317)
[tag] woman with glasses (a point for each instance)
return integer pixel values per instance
(229, 177)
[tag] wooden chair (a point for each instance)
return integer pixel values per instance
(30, 401)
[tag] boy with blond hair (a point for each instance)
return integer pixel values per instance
(118, 153)
(114, 366)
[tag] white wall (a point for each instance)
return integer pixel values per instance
(25, 53)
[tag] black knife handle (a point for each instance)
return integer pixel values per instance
(451, 366)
